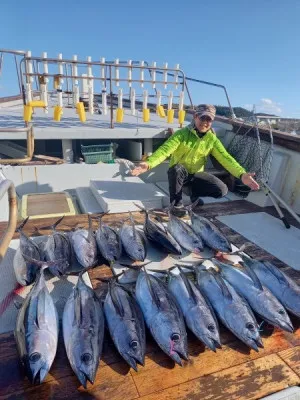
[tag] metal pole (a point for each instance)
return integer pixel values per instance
(111, 99)
(8, 186)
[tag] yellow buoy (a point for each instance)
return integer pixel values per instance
(181, 116)
(146, 115)
(120, 115)
(81, 111)
(161, 112)
(57, 113)
(170, 117)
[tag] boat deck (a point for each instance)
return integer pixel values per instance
(234, 372)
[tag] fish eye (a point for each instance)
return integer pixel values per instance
(91, 330)
(211, 327)
(34, 357)
(281, 311)
(86, 358)
(250, 326)
(134, 344)
(175, 337)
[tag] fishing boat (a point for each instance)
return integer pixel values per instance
(67, 143)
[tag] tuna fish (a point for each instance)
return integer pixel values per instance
(260, 299)
(26, 271)
(209, 233)
(133, 242)
(36, 331)
(57, 247)
(184, 234)
(198, 314)
(84, 245)
(283, 287)
(162, 315)
(157, 233)
(126, 324)
(83, 331)
(109, 242)
(232, 310)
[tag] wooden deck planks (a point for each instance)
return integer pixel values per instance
(202, 363)
(249, 381)
(292, 358)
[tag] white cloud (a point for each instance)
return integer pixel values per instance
(269, 106)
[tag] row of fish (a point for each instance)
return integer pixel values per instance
(59, 247)
(165, 306)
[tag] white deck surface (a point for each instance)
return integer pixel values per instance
(268, 233)
(97, 126)
(119, 196)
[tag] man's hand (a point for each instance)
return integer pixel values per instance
(140, 169)
(249, 181)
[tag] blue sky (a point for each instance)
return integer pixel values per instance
(251, 47)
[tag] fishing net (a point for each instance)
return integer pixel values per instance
(253, 151)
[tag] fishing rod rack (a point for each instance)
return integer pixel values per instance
(75, 83)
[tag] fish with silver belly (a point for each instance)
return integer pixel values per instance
(84, 245)
(209, 233)
(184, 234)
(162, 316)
(126, 324)
(198, 314)
(83, 331)
(26, 271)
(108, 241)
(259, 297)
(36, 331)
(230, 308)
(57, 247)
(133, 241)
(157, 233)
(283, 287)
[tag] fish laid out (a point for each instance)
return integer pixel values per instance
(83, 331)
(25, 270)
(36, 331)
(282, 287)
(57, 247)
(133, 241)
(198, 314)
(85, 247)
(162, 315)
(108, 242)
(231, 308)
(184, 234)
(126, 324)
(158, 234)
(209, 233)
(259, 297)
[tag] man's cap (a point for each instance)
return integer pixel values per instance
(206, 109)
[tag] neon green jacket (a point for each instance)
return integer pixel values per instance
(186, 148)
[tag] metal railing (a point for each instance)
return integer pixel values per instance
(29, 144)
(8, 186)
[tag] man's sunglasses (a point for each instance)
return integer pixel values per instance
(205, 118)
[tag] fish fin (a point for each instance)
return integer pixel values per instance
(77, 307)
(17, 304)
(220, 282)
(152, 292)
(252, 275)
(188, 285)
(276, 272)
(190, 207)
(116, 301)
(22, 224)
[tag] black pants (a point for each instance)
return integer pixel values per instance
(200, 184)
